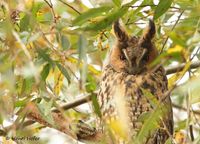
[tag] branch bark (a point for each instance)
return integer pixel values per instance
(61, 123)
(75, 103)
(174, 69)
(77, 130)
(185, 109)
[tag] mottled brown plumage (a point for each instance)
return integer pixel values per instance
(121, 98)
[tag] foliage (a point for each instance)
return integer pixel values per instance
(53, 51)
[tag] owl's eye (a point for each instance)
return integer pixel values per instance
(146, 57)
(122, 57)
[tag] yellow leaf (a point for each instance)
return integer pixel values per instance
(178, 49)
(58, 79)
(39, 13)
(172, 80)
(29, 3)
(180, 137)
(41, 42)
(117, 128)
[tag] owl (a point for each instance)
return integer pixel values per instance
(127, 79)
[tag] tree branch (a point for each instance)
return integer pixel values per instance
(62, 124)
(174, 69)
(184, 109)
(77, 130)
(75, 103)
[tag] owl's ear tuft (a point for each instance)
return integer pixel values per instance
(120, 33)
(149, 32)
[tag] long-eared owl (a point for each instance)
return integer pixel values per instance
(127, 79)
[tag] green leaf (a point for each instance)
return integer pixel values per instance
(151, 119)
(107, 21)
(24, 23)
(117, 2)
(36, 7)
(177, 76)
(177, 39)
(151, 98)
(181, 125)
(45, 71)
(169, 141)
(45, 111)
(162, 7)
(44, 55)
(82, 45)
(91, 13)
(64, 72)
(149, 126)
(45, 18)
(96, 105)
(48, 106)
(1, 119)
(27, 85)
(21, 103)
(144, 116)
(65, 42)
(82, 48)
(91, 84)
(147, 2)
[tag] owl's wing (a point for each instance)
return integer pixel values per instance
(157, 84)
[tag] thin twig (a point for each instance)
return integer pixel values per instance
(184, 109)
(75, 103)
(52, 10)
(50, 5)
(152, 6)
(144, 17)
(195, 117)
(197, 52)
(172, 30)
(188, 94)
(191, 132)
(70, 6)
